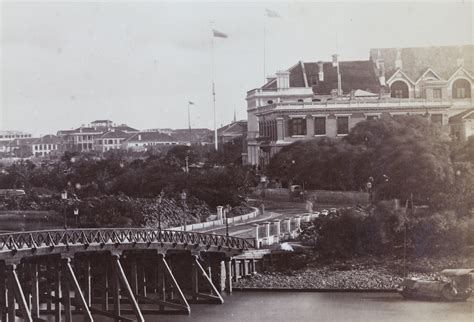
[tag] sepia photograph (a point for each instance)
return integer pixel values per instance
(247, 161)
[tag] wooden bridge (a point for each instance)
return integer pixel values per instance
(123, 274)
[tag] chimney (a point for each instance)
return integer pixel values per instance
(398, 60)
(321, 71)
(283, 79)
(139, 137)
(381, 70)
(460, 59)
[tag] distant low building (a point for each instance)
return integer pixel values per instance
(84, 137)
(110, 140)
(200, 136)
(6, 136)
(47, 145)
(232, 132)
(141, 141)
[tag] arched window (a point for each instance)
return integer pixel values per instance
(461, 89)
(399, 89)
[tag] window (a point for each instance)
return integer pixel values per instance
(461, 89)
(436, 93)
(437, 118)
(111, 141)
(319, 125)
(298, 126)
(399, 90)
(342, 125)
(372, 117)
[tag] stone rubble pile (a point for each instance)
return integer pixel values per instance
(323, 278)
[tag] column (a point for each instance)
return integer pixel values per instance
(228, 275)
(267, 229)
(288, 224)
(280, 129)
(277, 227)
(298, 222)
(257, 244)
(219, 212)
(309, 126)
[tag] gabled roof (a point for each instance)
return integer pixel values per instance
(354, 75)
(101, 121)
(151, 137)
(429, 72)
(233, 129)
(415, 61)
(467, 114)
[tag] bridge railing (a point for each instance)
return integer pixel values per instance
(53, 238)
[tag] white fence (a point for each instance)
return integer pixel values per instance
(218, 222)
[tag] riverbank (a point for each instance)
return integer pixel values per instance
(354, 274)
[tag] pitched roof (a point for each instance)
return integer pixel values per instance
(101, 121)
(443, 60)
(233, 129)
(354, 75)
(48, 139)
(114, 134)
(197, 135)
(80, 130)
(463, 115)
(151, 137)
(125, 128)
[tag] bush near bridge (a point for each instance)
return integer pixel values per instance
(115, 211)
(381, 231)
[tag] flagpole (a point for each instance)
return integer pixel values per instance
(189, 123)
(213, 93)
(264, 47)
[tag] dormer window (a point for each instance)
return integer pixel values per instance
(461, 89)
(269, 102)
(437, 93)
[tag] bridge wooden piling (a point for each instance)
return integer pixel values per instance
(111, 272)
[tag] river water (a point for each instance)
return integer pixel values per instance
(331, 307)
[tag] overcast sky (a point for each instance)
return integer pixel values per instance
(64, 64)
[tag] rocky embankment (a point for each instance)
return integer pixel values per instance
(325, 279)
(385, 275)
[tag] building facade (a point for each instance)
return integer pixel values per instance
(47, 145)
(85, 138)
(327, 99)
(142, 141)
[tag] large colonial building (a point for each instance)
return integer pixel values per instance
(317, 99)
(88, 138)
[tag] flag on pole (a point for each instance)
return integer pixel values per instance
(219, 34)
(272, 13)
(335, 61)
(190, 103)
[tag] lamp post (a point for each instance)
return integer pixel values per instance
(64, 197)
(76, 214)
(183, 204)
(228, 208)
